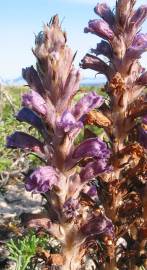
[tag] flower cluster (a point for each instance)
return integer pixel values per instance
(95, 190)
(123, 191)
(65, 178)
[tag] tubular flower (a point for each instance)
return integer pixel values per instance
(50, 107)
(99, 224)
(93, 147)
(24, 141)
(122, 182)
(103, 48)
(105, 13)
(100, 28)
(42, 179)
(28, 116)
(86, 104)
(35, 102)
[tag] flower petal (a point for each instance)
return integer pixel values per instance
(139, 17)
(103, 48)
(86, 104)
(31, 76)
(93, 147)
(105, 13)
(28, 116)
(35, 102)
(42, 179)
(93, 169)
(100, 28)
(95, 63)
(68, 122)
(98, 225)
(25, 141)
(138, 47)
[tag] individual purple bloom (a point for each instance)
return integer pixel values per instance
(69, 208)
(138, 17)
(140, 40)
(93, 147)
(93, 169)
(31, 76)
(92, 62)
(86, 104)
(100, 28)
(105, 13)
(28, 116)
(98, 225)
(24, 141)
(68, 122)
(138, 47)
(42, 179)
(35, 102)
(103, 48)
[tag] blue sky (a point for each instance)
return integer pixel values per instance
(20, 19)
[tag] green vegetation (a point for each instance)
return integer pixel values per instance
(24, 249)
(10, 103)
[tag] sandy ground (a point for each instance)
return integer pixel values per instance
(16, 200)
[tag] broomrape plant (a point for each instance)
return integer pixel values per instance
(96, 190)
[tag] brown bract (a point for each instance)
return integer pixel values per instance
(97, 118)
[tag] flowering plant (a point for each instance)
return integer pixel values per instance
(94, 190)
(65, 178)
(124, 188)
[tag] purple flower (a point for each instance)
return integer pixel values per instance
(25, 141)
(69, 208)
(93, 169)
(93, 147)
(138, 17)
(42, 179)
(68, 122)
(86, 104)
(105, 13)
(103, 48)
(96, 64)
(31, 76)
(100, 28)
(138, 47)
(98, 225)
(35, 102)
(28, 116)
